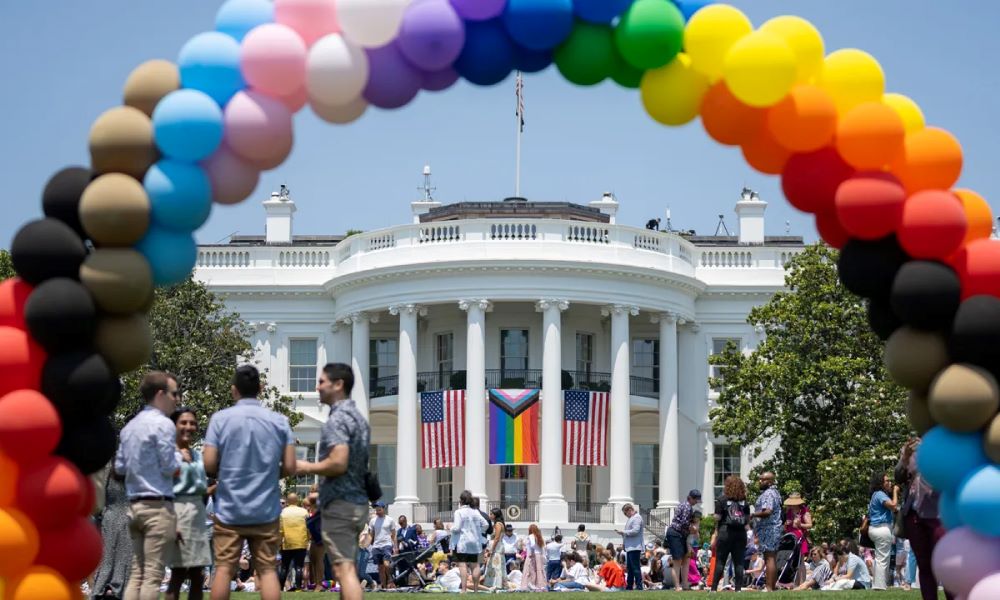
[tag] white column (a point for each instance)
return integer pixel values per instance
(359, 357)
(620, 448)
(670, 493)
(340, 348)
(406, 411)
(552, 507)
(475, 395)
(708, 472)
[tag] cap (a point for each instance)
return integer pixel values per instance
(509, 526)
(378, 504)
(694, 494)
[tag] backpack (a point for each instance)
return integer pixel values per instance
(736, 516)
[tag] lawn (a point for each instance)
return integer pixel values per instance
(652, 595)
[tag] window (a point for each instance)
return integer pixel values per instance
(513, 485)
(718, 347)
(382, 462)
(302, 365)
(444, 353)
(645, 474)
(584, 356)
(584, 487)
(645, 365)
(445, 491)
(513, 356)
(727, 462)
(304, 482)
(383, 367)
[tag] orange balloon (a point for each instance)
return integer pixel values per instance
(765, 154)
(8, 481)
(931, 160)
(870, 135)
(978, 214)
(38, 583)
(726, 119)
(19, 542)
(805, 120)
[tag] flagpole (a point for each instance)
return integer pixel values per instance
(519, 123)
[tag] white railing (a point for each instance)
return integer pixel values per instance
(304, 258)
(744, 258)
(208, 259)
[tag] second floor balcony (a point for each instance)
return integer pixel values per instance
(429, 381)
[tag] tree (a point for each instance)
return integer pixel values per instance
(816, 392)
(6, 265)
(196, 338)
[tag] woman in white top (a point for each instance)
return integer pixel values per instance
(533, 578)
(496, 566)
(466, 539)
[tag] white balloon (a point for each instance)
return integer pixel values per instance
(336, 71)
(371, 23)
(340, 114)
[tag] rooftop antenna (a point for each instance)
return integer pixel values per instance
(722, 227)
(283, 193)
(788, 227)
(427, 188)
(669, 226)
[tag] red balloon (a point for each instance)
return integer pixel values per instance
(74, 551)
(29, 426)
(830, 230)
(52, 492)
(933, 225)
(13, 294)
(870, 205)
(21, 361)
(978, 267)
(810, 180)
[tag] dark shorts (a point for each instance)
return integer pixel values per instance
(465, 558)
(676, 544)
(380, 555)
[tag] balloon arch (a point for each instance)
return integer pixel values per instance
(878, 180)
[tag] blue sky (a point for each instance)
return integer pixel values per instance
(64, 62)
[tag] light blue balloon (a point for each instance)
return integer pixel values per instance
(979, 501)
(187, 125)
(945, 458)
(948, 511)
(237, 17)
(180, 194)
(210, 62)
(171, 254)
(601, 12)
(538, 24)
(689, 7)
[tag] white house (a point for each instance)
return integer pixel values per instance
(512, 294)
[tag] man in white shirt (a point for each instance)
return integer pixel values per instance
(574, 576)
(382, 539)
(509, 541)
(553, 558)
(448, 577)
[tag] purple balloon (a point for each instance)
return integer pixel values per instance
(392, 81)
(435, 81)
(962, 557)
(479, 10)
(432, 34)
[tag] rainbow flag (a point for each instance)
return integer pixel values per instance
(514, 427)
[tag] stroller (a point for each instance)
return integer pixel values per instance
(404, 566)
(788, 557)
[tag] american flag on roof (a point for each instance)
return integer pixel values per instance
(442, 415)
(585, 428)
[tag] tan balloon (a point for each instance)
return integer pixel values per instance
(920, 416)
(114, 210)
(991, 442)
(121, 141)
(964, 398)
(914, 357)
(149, 83)
(119, 279)
(125, 342)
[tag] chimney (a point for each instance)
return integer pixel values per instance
(608, 205)
(279, 209)
(750, 212)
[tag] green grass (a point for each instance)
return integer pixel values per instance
(652, 595)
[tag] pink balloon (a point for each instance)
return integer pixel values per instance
(311, 19)
(232, 179)
(962, 557)
(987, 589)
(478, 10)
(258, 129)
(273, 59)
(296, 100)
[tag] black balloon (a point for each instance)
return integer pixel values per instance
(975, 333)
(80, 384)
(868, 268)
(47, 248)
(61, 198)
(61, 315)
(88, 443)
(882, 320)
(926, 294)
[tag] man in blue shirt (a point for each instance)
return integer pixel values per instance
(633, 546)
(147, 459)
(248, 448)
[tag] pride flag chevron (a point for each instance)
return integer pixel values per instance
(514, 427)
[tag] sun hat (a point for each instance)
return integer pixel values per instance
(794, 499)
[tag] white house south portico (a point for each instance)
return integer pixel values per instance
(512, 295)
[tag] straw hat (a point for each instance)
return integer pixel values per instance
(794, 499)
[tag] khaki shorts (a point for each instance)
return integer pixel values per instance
(342, 523)
(264, 540)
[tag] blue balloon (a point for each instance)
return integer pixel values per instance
(171, 254)
(539, 24)
(187, 125)
(689, 7)
(210, 62)
(488, 55)
(237, 17)
(531, 61)
(979, 501)
(180, 194)
(601, 12)
(948, 511)
(945, 458)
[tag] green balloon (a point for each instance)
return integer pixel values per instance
(625, 74)
(650, 33)
(587, 56)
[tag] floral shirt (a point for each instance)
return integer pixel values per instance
(682, 519)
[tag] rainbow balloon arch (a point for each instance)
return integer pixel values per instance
(878, 180)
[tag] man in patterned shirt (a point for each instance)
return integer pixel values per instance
(676, 539)
(769, 526)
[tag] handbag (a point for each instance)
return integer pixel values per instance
(863, 540)
(372, 487)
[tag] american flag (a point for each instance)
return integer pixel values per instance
(519, 91)
(443, 417)
(585, 428)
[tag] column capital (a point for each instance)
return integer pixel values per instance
(617, 309)
(547, 303)
(692, 326)
(410, 309)
(482, 303)
(269, 327)
(358, 317)
(667, 317)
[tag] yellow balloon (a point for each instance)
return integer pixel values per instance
(907, 109)
(672, 94)
(760, 69)
(709, 35)
(804, 40)
(852, 77)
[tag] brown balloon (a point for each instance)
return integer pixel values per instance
(149, 83)
(121, 141)
(125, 342)
(920, 416)
(914, 357)
(114, 210)
(119, 279)
(991, 441)
(964, 398)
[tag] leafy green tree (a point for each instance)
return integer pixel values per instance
(815, 391)
(6, 265)
(196, 338)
